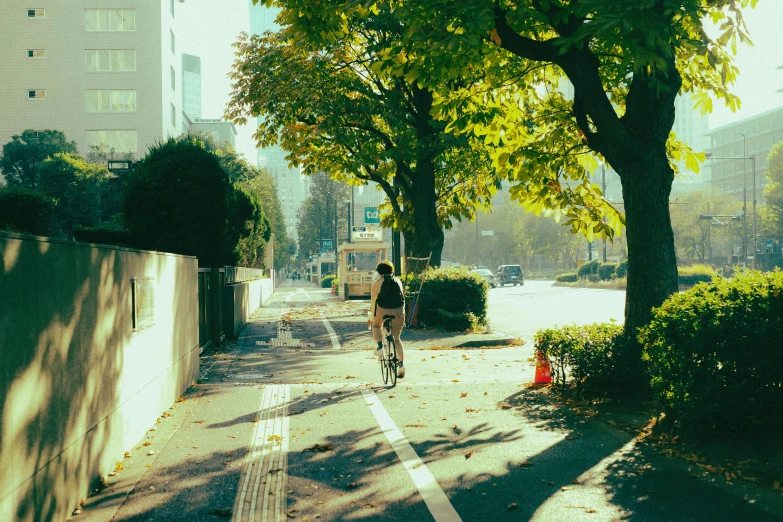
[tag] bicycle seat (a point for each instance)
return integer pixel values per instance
(389, 316)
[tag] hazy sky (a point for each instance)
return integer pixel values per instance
(216, 29)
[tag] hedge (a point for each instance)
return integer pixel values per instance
(104, 236)
(715, 357)
(454, 299)
(567, 277)
(26, 211)
(591, 267)
(622, 269)
(692, 274)
(326, 281)
(607, 271)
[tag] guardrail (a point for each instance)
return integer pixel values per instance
(238, 274)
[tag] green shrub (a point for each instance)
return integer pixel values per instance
(454, 299)
(27, 211)
(104, 236)
(606, 271)
(567, 277)
(692, 274)
(326, 281)
(715, 356)
(589, 352)
(622, 269)
(588, 268)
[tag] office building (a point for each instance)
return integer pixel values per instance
(221, 131)
(107, 74)
(191, 87)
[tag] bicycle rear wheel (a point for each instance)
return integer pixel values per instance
(391, 355)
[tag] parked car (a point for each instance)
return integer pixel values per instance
(510, 274)
(488, 276)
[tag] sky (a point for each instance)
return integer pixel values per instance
(216, 29)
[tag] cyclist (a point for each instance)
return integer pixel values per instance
(394, 298)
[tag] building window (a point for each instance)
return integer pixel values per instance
(110, 60)
(36, 94)
(36, 53)
(173, 46)
(119, 140)
(173, 79)
(173, 116)
(36, 13)
(109, 19)
(106, 100)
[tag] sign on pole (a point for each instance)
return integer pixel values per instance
(371, 215)
(326, 244)
(366, 233)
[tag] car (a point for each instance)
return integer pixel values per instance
(510, 274)
(488, 276)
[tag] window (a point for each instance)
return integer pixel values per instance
(109, 19)
(36, 94)
(119, 140)
(173, 79)
(106, 100)
(173, 116)
(36, 53)
(110, 60)
(36, 13)
(173, 46)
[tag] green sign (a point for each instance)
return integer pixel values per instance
(371, 215)
(326, 244)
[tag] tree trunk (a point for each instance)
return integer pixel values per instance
(426, 236)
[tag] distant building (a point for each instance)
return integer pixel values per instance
(692, 128)
(105, 74)
(752, 136)
(191, 86)
(220, 130)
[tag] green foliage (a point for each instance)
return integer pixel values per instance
(692, 235)
(715, 358)
(326, 281)
(589, 268)
(567, 277)
(25, 152)
(607, 271)
(179, 199)
(453, 299)
(317, 214)
(773, 191)
(589, 352)
(104, 236)
(696, 273)
(27, 211)
(247, 222)
(622, 269)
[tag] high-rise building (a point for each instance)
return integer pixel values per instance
(692, 128)
(191, 86)
(292, 186)
(106, 74)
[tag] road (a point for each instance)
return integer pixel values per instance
(521, 311)
(293, 423)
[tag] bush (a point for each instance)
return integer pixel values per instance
(454, 299)
(588, 268)
(567, 277)
(692, 274)
(589, 352)
(606, 271)
(104, 236)
(622, 269)
(26, 211)
(326, 281)
(715, 356)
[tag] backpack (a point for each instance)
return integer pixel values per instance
(390, 295)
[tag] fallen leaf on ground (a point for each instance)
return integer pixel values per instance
(202, 421)
(320, 448)
(463, 394)
(468, 455)
(513, 505)
(415, 426)
(454, 380)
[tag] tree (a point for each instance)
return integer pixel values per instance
(335, 109)
(693, 235)
(76, 187)
(22, 155)
(179, 199)
(773, 192)
(321, 213)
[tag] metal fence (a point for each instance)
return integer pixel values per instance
(238, 274)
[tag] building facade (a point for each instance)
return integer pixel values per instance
(731, 147)
(104, 72)
(191, 86)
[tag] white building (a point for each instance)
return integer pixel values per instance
(104, 72)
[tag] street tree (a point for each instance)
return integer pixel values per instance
(321, 214)
(693, 233)
(773, 192)
(22, 155)
(334, 108)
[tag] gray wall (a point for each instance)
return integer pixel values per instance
(242, 300)
(78, 387)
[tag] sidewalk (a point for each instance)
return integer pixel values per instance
(293, 422)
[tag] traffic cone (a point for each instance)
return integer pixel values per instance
(543, 371)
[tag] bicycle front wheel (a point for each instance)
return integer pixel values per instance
(391, 355)
(384, 368)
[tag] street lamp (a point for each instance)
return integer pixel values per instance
(752, 158)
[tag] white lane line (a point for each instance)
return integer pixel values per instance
(332, 334)
(436, 500)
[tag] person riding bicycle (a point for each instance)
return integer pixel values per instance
(388, 300)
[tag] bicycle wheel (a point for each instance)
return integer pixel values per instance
(384, 368)
(392, 356)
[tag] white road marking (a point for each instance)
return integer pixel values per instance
(332, 334)
(436, 500)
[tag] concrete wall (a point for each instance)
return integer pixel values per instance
(78, 387)
(242, 300)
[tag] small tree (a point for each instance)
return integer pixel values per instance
(178, 199)
(23, 154)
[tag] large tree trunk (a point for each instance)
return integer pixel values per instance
(427, 235)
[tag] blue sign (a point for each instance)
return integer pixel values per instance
(327, 244)
(371, 215)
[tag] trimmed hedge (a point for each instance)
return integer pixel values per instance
(567, 277)
(715, 357)
(27, 211)
(589, 352)
(622, 269)
(591, 267)
(104, 236)
(607, 271)
(454, 299)
(326, 281)
(693, 274)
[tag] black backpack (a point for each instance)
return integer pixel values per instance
(390, 295)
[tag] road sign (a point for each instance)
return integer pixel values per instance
(371, 215)
(366, 233)
(326, 244)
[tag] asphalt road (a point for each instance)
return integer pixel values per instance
(294, 423)
(521, 311)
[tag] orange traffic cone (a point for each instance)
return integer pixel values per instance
(543, 371)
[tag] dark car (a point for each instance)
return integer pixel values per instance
(510, 274)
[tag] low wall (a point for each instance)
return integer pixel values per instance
(241, 300)
(78, 385)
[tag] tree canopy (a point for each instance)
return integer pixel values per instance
(22, 155)
(321, 214)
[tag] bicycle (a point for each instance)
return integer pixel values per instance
(389, 357)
